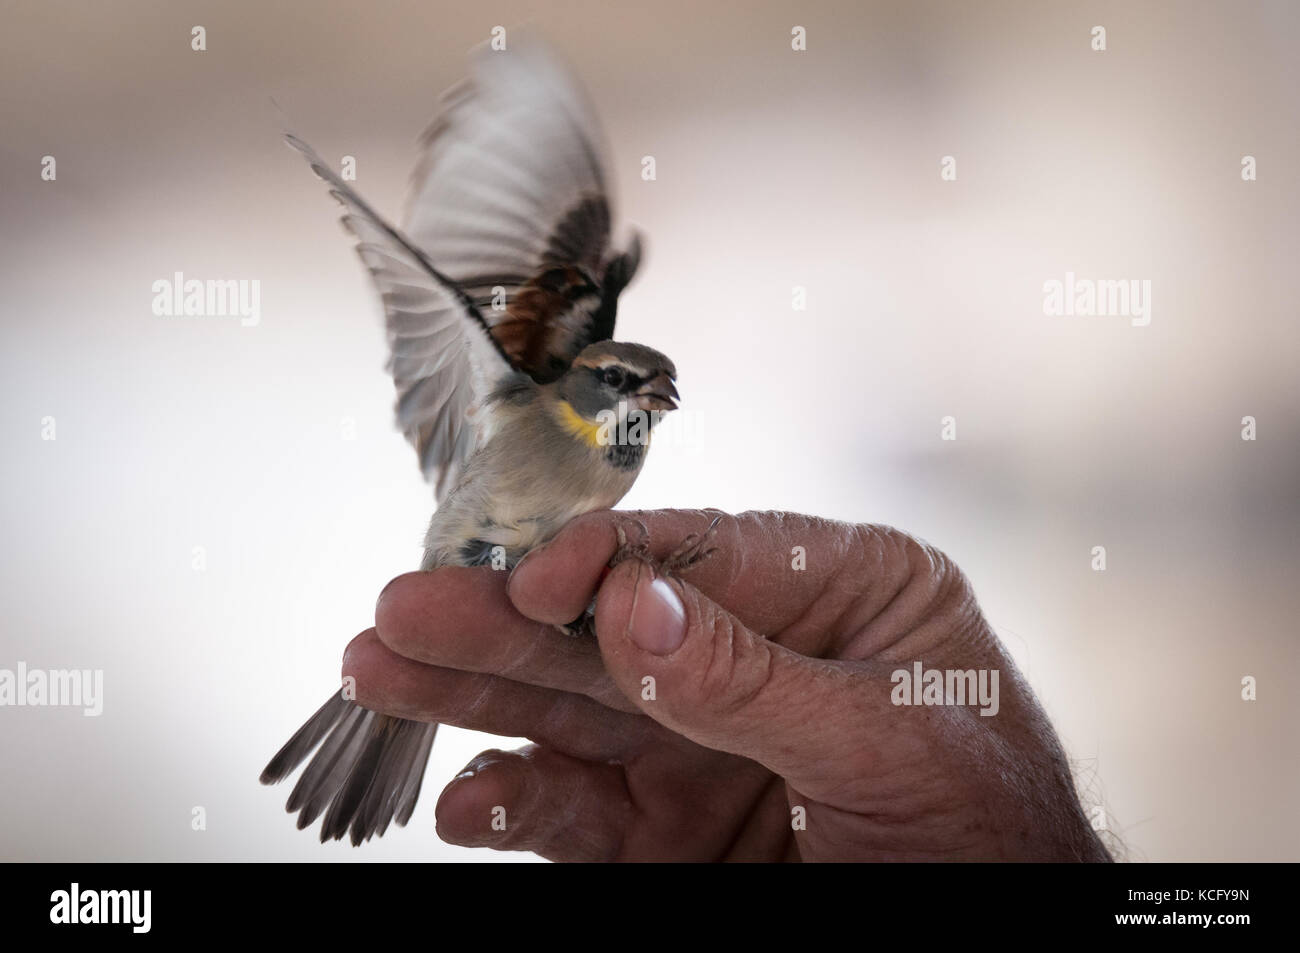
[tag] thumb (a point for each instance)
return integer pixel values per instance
(695, 668)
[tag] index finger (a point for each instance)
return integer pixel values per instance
(768, 568)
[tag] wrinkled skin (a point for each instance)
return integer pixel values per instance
(742, 729)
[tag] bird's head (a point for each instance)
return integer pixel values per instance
(619, 378)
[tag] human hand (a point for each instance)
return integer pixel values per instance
(742, 729)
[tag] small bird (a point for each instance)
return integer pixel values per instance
(500, 292)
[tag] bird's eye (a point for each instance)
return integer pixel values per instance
(613, 376)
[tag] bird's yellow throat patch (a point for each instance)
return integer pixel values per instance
(588, 431)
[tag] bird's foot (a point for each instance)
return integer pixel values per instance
(584, 626)
(694, 549)
(628, 549)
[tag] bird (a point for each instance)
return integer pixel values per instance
(500, 291)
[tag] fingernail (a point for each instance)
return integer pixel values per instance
(658, 620)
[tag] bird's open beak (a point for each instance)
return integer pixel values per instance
(658, 393)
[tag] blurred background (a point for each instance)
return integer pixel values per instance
(271, 446)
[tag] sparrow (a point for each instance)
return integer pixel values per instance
(500, 292)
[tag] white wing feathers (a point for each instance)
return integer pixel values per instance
(443, 360)
(508, 200)
(515, 150)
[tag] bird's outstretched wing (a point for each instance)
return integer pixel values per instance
(443, 357)
(510, 199)
(503, 262)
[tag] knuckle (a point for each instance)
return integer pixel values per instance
(738, 669)
(926, 561)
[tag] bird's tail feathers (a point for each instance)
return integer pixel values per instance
(366, 774)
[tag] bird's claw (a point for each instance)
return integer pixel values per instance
(694, 549)
(630, 550)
